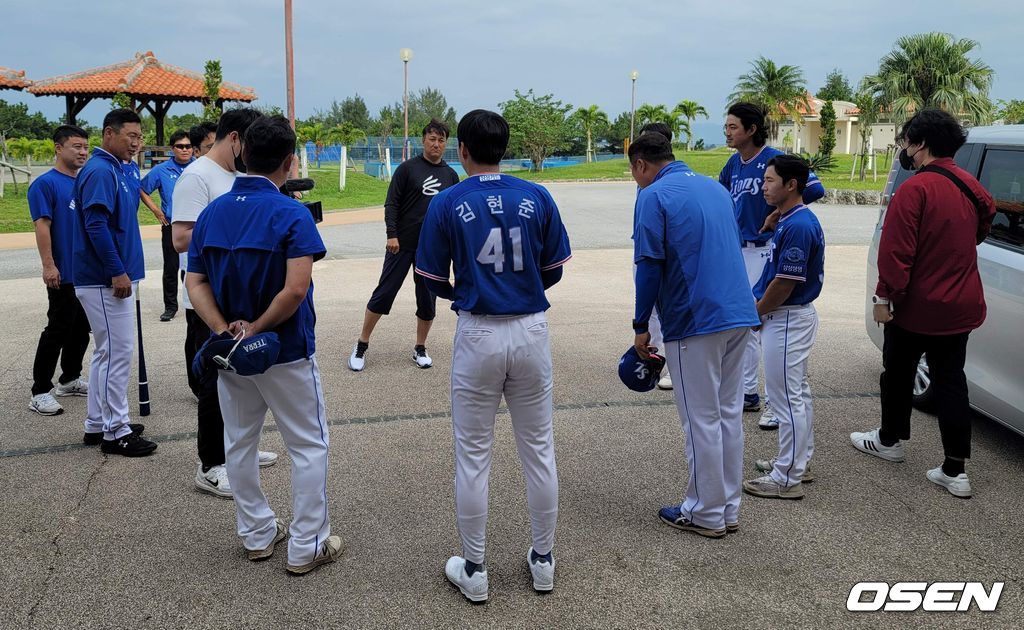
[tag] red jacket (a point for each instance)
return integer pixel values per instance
(928, 254)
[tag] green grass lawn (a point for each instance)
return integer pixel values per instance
(362, 190)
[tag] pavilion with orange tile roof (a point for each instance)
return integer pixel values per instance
(13, 79)
(151, 84)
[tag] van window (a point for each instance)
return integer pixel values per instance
(1002, 174)
(901, 174)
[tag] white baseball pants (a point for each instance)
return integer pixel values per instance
(787, 337)
(292, 391)
(707, 373)
(510, 356)
(113, 332)
(755, 258)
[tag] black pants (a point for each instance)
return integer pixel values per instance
(170, 269)
(210, 440)
(66, 336)
(946, 354)
(396, 268)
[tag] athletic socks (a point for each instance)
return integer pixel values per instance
(534, 556)
(952, 467)
(472, 567)
(420, 348)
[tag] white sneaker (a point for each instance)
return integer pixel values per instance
(421, 358)
(267, 459)
(770, 489)
(357, 361)
(869, 443)
(45, 405)
(765, 466)
(543, 573)
(330, 550)
(214, 481)
(473, 587)
(77, 387)
(665, 382)
(262, 554)
(958, 486)
(769, 421)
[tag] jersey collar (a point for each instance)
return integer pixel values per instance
(106, 155)
(254, 183)
(676, 166)
(755, 156)
(797, 208)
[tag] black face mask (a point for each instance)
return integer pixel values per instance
(906, 161)
(239, 164)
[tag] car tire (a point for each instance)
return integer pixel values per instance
(924, 392)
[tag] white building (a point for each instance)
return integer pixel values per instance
(806, 136)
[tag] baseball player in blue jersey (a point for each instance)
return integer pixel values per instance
(743, 176)
(791, 281)
(689, 263)
(505, 241)
(249, 272)
(106, 267)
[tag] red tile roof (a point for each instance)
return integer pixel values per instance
(13, 79)
(140, 77)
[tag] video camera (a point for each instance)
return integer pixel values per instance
(293, 186)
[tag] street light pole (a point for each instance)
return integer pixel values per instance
(406, 55)
(289, 56)
(632, 106)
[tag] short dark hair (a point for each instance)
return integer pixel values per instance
(790, 167)
(938, 130)
(651, 147)
(268, 141)
(437, 126)
(179, 135)
(63, 132)
(237, 120)
(751, 115)
(657, 127)
(198, 133)
(485, 135)
(117, 118)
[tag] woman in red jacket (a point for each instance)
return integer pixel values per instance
(929, 294)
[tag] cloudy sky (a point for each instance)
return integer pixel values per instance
(476, 53)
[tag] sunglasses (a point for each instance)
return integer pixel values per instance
(183, 147)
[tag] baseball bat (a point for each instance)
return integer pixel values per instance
(143, 378)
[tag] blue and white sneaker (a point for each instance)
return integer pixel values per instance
(769, 421)
(751, 402)
(673, 517)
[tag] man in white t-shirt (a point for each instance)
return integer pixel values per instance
(204, 180)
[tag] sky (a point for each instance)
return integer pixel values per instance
(477, 53)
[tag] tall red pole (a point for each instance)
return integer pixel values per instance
(289, 55)
(405, 108)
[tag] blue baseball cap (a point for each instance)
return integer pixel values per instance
(246, 357)
(638, 374)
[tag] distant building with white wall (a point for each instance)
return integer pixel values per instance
(806, 136)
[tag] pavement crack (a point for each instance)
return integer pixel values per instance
(56, 554)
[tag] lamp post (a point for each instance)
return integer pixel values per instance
(632, 106)
(289, 60)
(406, 55)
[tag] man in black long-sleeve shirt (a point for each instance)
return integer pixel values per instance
(414, 184)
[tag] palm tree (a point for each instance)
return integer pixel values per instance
(319, 135)
(780, 90)
(590, 119)
(651, 113)
(932, 70)
(677, 123)
(690, 110)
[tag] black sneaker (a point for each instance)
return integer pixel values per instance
(168, 315)
(130, 445)
(92, 439)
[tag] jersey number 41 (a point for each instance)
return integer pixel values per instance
(493, 250)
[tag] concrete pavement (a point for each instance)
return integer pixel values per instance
(97, 542)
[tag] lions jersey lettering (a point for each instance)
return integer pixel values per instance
(498, 256)
(745, 183)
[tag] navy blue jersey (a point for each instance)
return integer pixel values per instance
(499, 233)
(242, 242)
(685, 221)
(745, 181)
(52, 196)
(107, 189)
(797, 252)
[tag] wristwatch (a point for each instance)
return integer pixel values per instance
(879, 300)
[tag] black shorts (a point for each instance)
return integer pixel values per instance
(396, 268)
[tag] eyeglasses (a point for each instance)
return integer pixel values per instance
(183, 147)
